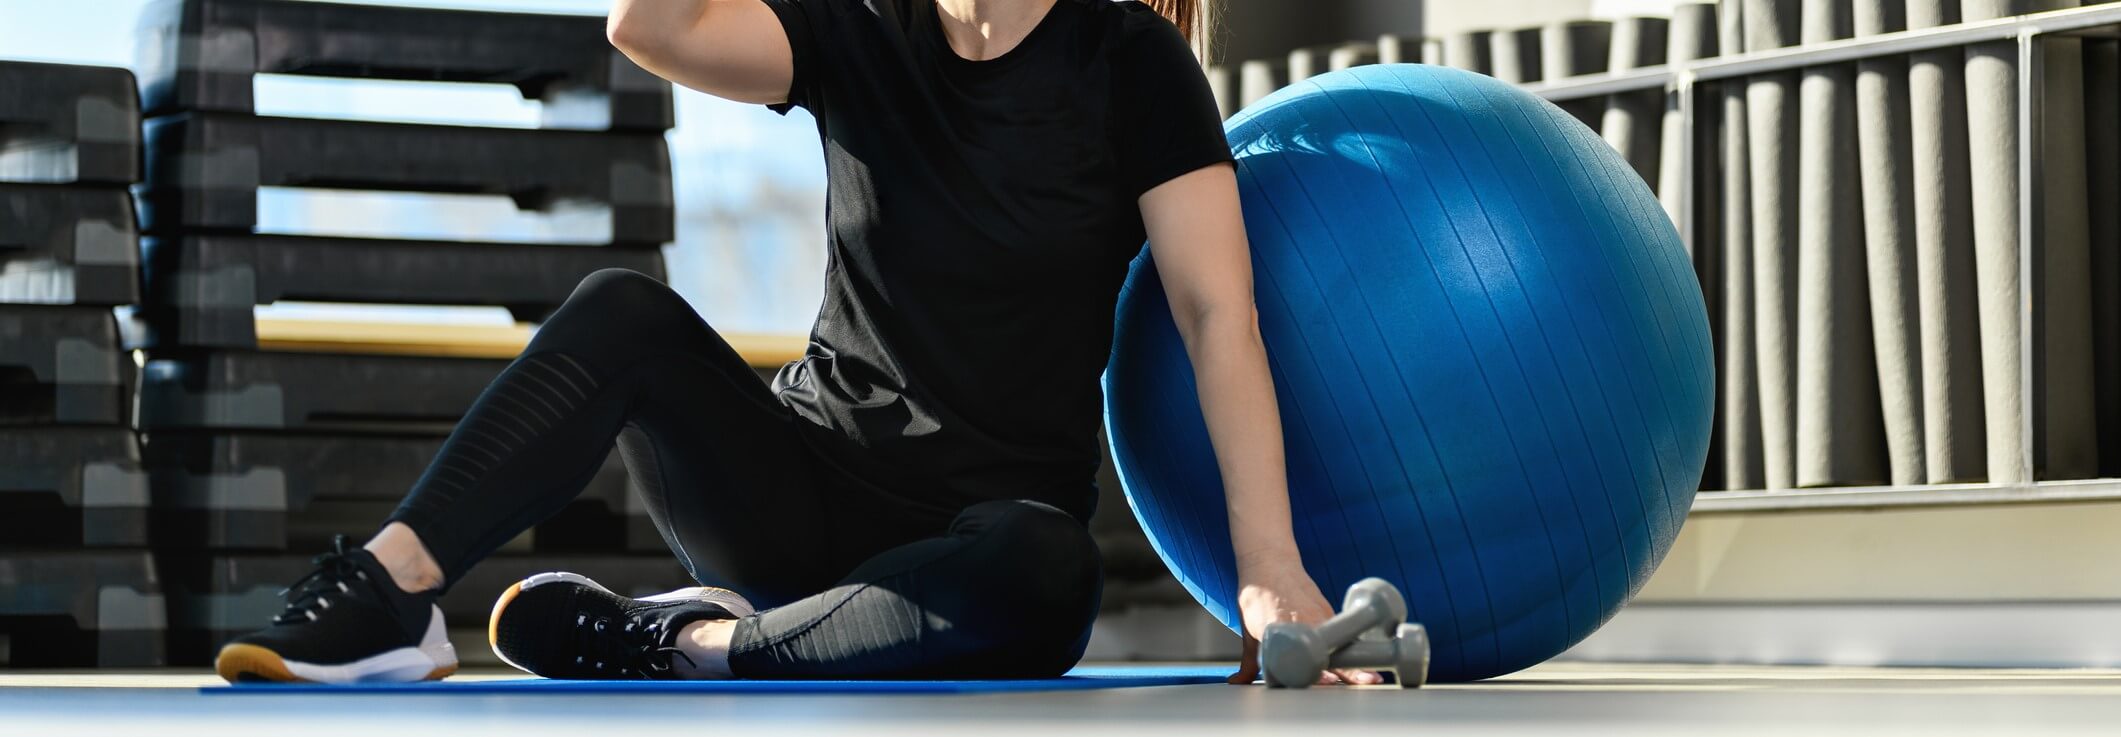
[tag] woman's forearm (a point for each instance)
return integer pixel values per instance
(1237, 401)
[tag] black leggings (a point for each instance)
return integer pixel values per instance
(861, 582)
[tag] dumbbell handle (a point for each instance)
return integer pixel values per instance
(1363, 615)
(1365, 654)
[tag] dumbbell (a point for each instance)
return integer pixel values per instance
(1369, 633)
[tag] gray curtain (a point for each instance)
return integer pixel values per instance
(1393, 49)
(1517, 55)
(1257, 79)
(1954, 431)
(1992, 166)
(1220, 82)
(1693, 36)
(1888, 240)
(1305, 64)
(1351, 55)
(1771, 133)
(1633, 120)
(1839, 437)
(1575, 48)
(1470, 51)
(1740, 371)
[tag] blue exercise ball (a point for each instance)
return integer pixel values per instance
(1490, 353)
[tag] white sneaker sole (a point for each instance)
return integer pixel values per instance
(433, 659)
(729, 600)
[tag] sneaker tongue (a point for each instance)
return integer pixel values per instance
(674, 616)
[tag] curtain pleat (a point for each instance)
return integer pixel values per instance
(1693, 36)
(1472, 51)
(1953, 410)
(1771, 133)
(1840, 439)
(1883, 136)
(1992, 166)
(1743, 444)
(1258, 79)
(1575, 48)
(1632, 119)
(1517, 55)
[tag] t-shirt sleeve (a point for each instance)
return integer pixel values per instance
(803, 45)
(1168, 124)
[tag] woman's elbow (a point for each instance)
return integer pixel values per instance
(1233, 317)
(627, 32)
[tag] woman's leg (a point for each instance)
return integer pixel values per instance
(1009, 591)
(715, 454)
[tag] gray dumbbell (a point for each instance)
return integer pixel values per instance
(1369, 633)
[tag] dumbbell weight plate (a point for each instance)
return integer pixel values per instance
(1290, 655)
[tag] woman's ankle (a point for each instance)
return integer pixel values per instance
(400, 551)
(705, 644)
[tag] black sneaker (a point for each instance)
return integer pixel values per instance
(563, 625)
(345, 622)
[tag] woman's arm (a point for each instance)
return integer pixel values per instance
(733, 49)
(1197, 236)
(1198, 239)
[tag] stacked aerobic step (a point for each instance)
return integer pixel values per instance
(263, 441)
(77, 586)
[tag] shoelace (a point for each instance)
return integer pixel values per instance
(603, 647)
(310, 593)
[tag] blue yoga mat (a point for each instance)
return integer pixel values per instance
(1088, 677)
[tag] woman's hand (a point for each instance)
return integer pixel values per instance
(1278, 590)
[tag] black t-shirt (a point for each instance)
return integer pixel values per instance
(981, 216)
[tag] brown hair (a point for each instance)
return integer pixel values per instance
(1191, 17)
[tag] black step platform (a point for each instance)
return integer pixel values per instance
(204, 169)
(62, 365)
(215, 598)
(311, 392)
(68, 123)
(201, 55)
(255, 491)
(72, 486)
(74, 609)
(68, 245)
(201, 289)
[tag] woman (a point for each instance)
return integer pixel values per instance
(909, 499)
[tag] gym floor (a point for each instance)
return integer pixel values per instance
(1577, 699)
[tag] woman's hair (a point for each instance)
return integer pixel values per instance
(1191, 17)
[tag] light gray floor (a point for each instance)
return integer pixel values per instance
(1558, 699)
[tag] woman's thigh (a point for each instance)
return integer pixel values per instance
(726, 476)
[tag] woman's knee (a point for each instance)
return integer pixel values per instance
(618, 306)
(1035, 588)
(1041, 563)
(624, 292)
